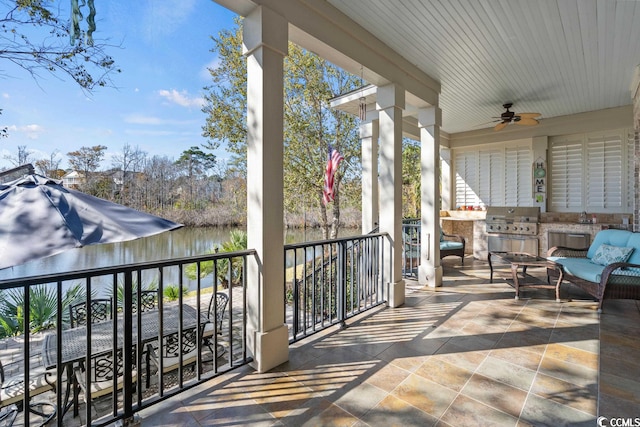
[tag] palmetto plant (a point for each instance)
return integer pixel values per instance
(152, 286)
(172, 292)
(43, 305)
(237, 242)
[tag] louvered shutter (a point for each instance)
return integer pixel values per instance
(566, 165)
(518, 176)
(604, 167)
(466, 168)
(491, 176)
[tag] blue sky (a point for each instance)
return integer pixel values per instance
(164, 54)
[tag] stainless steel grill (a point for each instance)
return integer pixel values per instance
(513, 220)
(512, 229)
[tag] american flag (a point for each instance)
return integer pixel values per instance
(332, 166)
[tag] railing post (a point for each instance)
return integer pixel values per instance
(128, 345)
(341, 283)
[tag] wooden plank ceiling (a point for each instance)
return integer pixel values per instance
(556, 57)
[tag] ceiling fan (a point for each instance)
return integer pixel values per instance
(525, 119)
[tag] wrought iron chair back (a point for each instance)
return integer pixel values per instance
(101, 310)
(217, 311)
(171, 350)
(102, 372)
(148, 301)
(215, 314)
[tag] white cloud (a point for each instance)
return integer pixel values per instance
(5, 95)
(30, 131)
(181, 98)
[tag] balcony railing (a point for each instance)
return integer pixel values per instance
(410, 247)
(150, 327)
(330, 281)
(140, 333)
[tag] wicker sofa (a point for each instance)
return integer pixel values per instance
(589, 270)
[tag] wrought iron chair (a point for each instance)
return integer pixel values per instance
(215, 314)
(101, 375)
(101, 310)
(12, 395)
(148, 301)
(171, 350)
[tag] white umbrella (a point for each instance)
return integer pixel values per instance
(39, 217)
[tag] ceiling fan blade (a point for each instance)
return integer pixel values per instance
(500, 126)
(527, 121)
(529, 115)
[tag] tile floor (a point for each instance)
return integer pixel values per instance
(466, 354)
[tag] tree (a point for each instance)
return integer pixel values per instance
(49, 167)
(410, 179)
(86, 161)
(24, 156)
(129, 163)
(3, 130)
(37, 38)
(310, 126)
(196, 163)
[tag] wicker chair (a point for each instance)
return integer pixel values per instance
(446, 249)
(614, 283)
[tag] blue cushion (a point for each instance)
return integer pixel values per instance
(614, 238)
(634, 242)
(448, 244)
(607, 254)
(580, 267)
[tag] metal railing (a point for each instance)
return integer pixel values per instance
(330, 281)
(131, 382)
(411, 242)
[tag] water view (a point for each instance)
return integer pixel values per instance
(178, 243)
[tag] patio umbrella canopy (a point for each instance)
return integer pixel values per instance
(39, 217)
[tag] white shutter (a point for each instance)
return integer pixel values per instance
(566, 166)
(518, 176)
(491, 178)
(631, 183)
(604, 169)
(466, 169)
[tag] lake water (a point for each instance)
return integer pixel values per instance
(173, 244)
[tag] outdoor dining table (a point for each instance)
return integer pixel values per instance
(74, 340)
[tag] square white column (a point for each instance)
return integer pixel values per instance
(391, 101)
(370, 205)
(430, 269)
(265, 40)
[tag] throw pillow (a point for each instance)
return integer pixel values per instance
(607, 254)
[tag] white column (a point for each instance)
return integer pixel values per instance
(265, 40)
(391, 101)
(369, 144)
(446, 188)
(430, 270)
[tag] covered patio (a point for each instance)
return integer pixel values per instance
(464, 354)
(449, 348)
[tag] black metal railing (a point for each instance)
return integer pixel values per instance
(331, 280)
(411, 242)
(150, 346)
